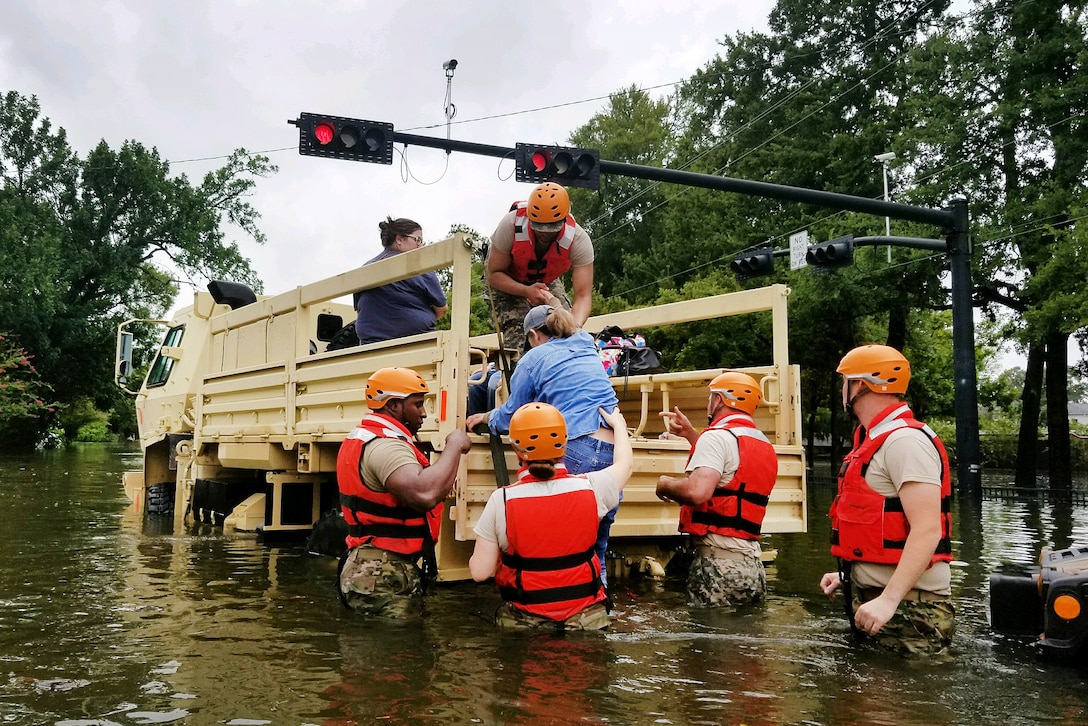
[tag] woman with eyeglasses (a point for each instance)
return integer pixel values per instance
(405, 307)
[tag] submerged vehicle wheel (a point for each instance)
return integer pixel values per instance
(160, 499)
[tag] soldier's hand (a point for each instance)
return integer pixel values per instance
(539, 294)
(458, 439)
(873, 615)
(676, 423)
(662, 489)
(829, 583)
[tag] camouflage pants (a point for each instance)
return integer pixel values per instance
(733, 580)
(918, 627)
(595, 617)
(510, 311)
(374, 582)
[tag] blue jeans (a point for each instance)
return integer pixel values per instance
(481, 392)
(586, 454)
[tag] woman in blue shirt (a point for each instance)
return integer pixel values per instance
(405, 307)
(562, 367)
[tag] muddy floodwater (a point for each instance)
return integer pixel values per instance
(110, 618)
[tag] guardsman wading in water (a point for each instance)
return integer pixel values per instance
(536, 536)
(730, 473)
(891, 522)
(391, 497)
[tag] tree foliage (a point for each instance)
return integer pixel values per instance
(25, 405)
(87, 243)
(990, 104)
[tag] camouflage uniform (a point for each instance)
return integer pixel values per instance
(919, 626)
(376, 582)
(595, 617)
(510, 311)
(725, 578)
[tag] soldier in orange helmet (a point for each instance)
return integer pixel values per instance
(549, 576)
(723, 499)
(534, 245)
(891, 523)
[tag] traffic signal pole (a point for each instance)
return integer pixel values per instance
(952, 221)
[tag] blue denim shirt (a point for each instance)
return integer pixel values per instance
(568, 374)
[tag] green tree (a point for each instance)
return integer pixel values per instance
(809, 104)
(479, 308)
(1004, 92)
(86, 243)
(25, 406)
(622, 217)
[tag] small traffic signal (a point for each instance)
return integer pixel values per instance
(753, 264)
(833, 253)
(568, 166)
(351, 139)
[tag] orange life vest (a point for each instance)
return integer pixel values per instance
(529, 267)
(377, 518)
(737, 509)
(550, 570)
(866, 526)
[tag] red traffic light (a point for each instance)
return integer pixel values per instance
(350, 139)
(324, 132)
(540, 160)
(565, 165)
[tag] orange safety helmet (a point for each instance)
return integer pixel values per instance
(882, 368)
(386, 384)
(737, 390)
(549, 204)
(538, 432)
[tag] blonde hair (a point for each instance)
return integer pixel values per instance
(559, 324)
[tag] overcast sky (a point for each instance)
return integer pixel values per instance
(198, 79)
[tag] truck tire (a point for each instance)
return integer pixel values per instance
(160, 499)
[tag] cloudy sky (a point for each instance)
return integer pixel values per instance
(197, 79)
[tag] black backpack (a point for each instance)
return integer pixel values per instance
(346, 337)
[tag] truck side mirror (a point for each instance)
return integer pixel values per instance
(124, 358)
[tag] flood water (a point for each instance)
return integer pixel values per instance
(106, 618)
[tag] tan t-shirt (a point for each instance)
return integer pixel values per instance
(381, 457)
(581, 249)
(907, 455)
(492, 524)
(718, 450)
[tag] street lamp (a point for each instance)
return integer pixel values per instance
(884, 159)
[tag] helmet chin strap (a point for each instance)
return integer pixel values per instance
(714, 414)
(848, 407)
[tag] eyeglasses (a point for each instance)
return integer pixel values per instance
(417, 239)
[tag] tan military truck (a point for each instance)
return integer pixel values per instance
(244, 408)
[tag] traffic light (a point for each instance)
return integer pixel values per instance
(833, 253)
(352, 139)
(567, 166)
(753, 264)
